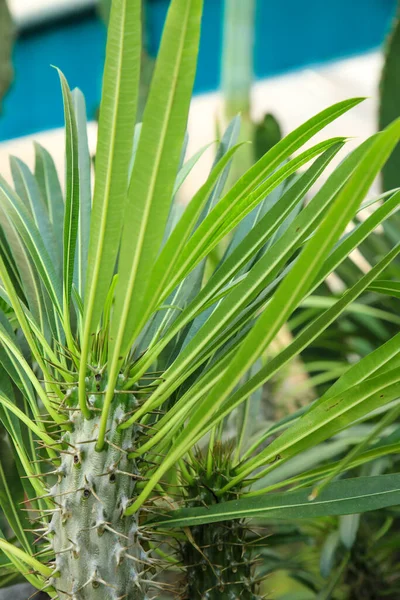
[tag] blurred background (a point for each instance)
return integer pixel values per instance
(301, 56)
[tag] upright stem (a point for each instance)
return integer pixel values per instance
(238, 70)
(219, 559)
(237, 57)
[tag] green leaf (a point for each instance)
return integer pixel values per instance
(327, 565)
(349, 496)
(29, 279)
(257, 279)
(379, 361)
(153, 177)
(348, 527)
(71, 216)
(389, 417)
(187, 167)
(23, 322)
(9, 405)
(85, 192)
(15, 565)
(27, 189)
(330, 416)
(113, 156)
(161, 271)
(191, 285)
(11, 265)
(11, 494)
(303, 339)
(358, 235)
(229, 140)
(288, 296)
(322, 302)
(50, 188)
(220, 225)
(310, 333)
(22, 556)
(216, 222)
(262, 272)
(25, 372)
(156, 164)
(24, 455)
(32, 239)
(387, 287)
(30, 328)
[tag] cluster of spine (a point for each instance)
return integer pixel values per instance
(219, 558)
(99, 551)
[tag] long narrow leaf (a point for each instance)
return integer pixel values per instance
(350, 496)
(289, 294)
(71, 217)
(49, 185)
(113, 156)
(249, 182)
(153, 176)
(28, 190)
(164, 264)
(31, 237)
(85, 193)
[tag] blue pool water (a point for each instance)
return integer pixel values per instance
(289, 34)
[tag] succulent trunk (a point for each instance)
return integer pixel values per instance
(219, 563)
(219, 558)
(237, 57)
(99, 551)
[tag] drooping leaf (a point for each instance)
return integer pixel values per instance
(291, 291)
(345, 497)
(387, 287)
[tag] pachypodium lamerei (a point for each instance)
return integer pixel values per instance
(121, 354)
